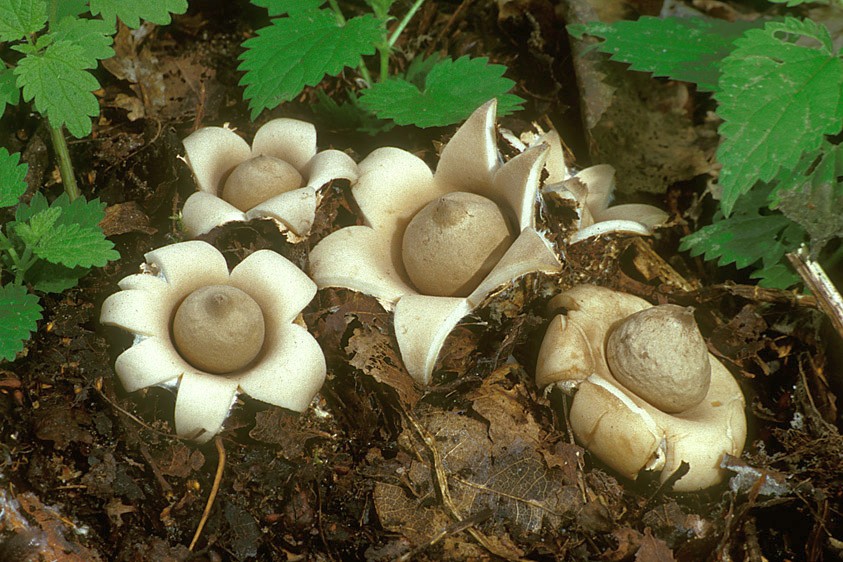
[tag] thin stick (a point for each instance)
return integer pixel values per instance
(213, 495)
(828, 297)
(404, 21)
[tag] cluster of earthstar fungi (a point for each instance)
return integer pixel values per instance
(434, 245)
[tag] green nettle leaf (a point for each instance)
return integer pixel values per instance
(58, 82)
(94, 36)
(85, 213)
(452, 90)
(680, 48)
(739, 240)
(59, 9)
(32, 232)
(25, 211)
(71, 245)
(19, 312)
(19, 18)
(9, 91)
(131, 12)
(53, 278)
(12, 174)
(282, 7)
(298, 51)
(777, 276)
(777, 98)
(74, 239)
(749, 238)
(420, 67)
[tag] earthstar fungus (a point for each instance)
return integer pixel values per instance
(278, 177)
(209, 334)
(648, 393)
(435, 245)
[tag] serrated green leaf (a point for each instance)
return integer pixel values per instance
(684, 49)
(57, 10)
(87, 214)
(740, 240)
(298, 51)
(19, 18)
(777, 276)
(777, 98)
(58, 82)
(34, 230)
(452, 90)
(53, 278)
(9, 91)
(26, 211)
(420, 67)
(12, 176)
(282, 7)
(94, 36)
(19, 314)
(131, 12)
(71, 245)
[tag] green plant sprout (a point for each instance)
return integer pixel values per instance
(48, 246)
(49, 50)
(306, 42)
(778, 90)
(59, 48)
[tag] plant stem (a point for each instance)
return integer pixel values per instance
(65, 165)
(404, 21)
(335, 7)
(384, 55)
(23, 264)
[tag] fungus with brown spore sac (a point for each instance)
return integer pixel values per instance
(279, 177)
(435, 244)
(647, 393)
(209, 334)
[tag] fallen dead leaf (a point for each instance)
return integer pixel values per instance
(653, 549)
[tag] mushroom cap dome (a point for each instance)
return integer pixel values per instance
(259, 179)
(219, 329)
(660, 355)
(453, 243)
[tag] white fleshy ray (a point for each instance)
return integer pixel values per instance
(329, 165)
(530, 252)
(362, 259)
(470, 158)
(149, 362)
(393, 186)
(212, 152)
(290, 140)
(295, 209)
(265, 276)
(294, 375)
(202, 212)
(516, 183)
(422, 324)
(202, 404)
